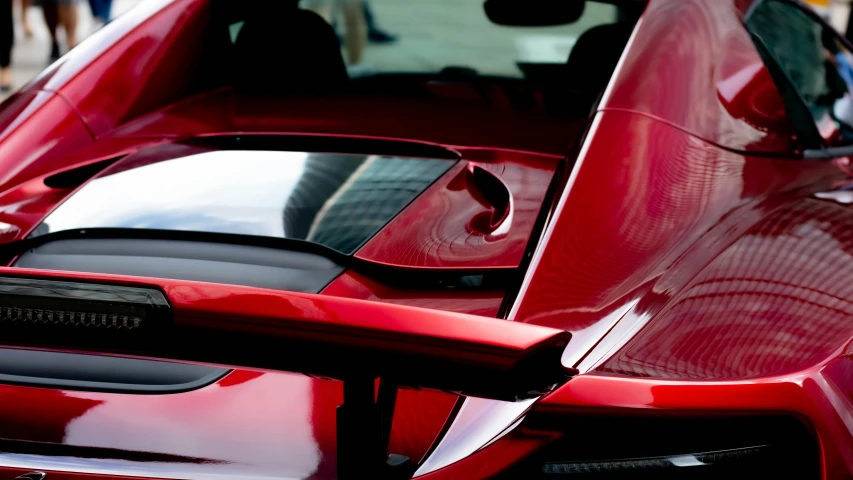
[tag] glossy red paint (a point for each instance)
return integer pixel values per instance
(280, 425)
(270, 417)
(775, 302)
(618, 251)
(692, 64)
(24, 206)
(478, 302)
(129, 68)
(439, 121)
(455, 233)
(680, 251)
(669, 205)
(808, 396)
(497, 457)
(47, 122)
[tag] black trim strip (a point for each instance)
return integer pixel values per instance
(549, 204)
(49, 449)
(402, 277)
(101, 373)
(74, 177)
(106, 387)
(290, 244)
(321, 143)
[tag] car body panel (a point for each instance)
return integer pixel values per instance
(692, 65)
(686, 219)
(643, 215)
(477, 123)
(280, 425)
(774, 302)
(808, 395)
(124, 69)
(469, 232)
(352, 285)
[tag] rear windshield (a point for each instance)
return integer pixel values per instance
(335, 200)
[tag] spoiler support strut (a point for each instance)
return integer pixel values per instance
(364, 431)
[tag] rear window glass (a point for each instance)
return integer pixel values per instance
(335, 200)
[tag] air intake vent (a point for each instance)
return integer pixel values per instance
(667, 448)
(75, 177)
(673, 465)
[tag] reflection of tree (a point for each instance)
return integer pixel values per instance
(342, 200)
(324, 175)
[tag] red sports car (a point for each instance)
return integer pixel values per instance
(531, 239)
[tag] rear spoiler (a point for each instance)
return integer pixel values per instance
(272, 330)
(352, 340)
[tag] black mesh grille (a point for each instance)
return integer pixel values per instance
(672, 448)
(35, 316)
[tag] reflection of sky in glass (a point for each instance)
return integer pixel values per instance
(240, 192)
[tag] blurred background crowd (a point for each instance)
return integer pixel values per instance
(33, 33)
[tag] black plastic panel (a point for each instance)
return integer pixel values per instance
(670, 446)
(101, 373)
(187, 260)
(92, 292)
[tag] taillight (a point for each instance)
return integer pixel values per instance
(71, 312)
(67, 318)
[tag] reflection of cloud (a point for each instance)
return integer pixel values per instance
(223, 191)
(252, 223)
(266, 433)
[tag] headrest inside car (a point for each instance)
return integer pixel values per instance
(533, 13)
